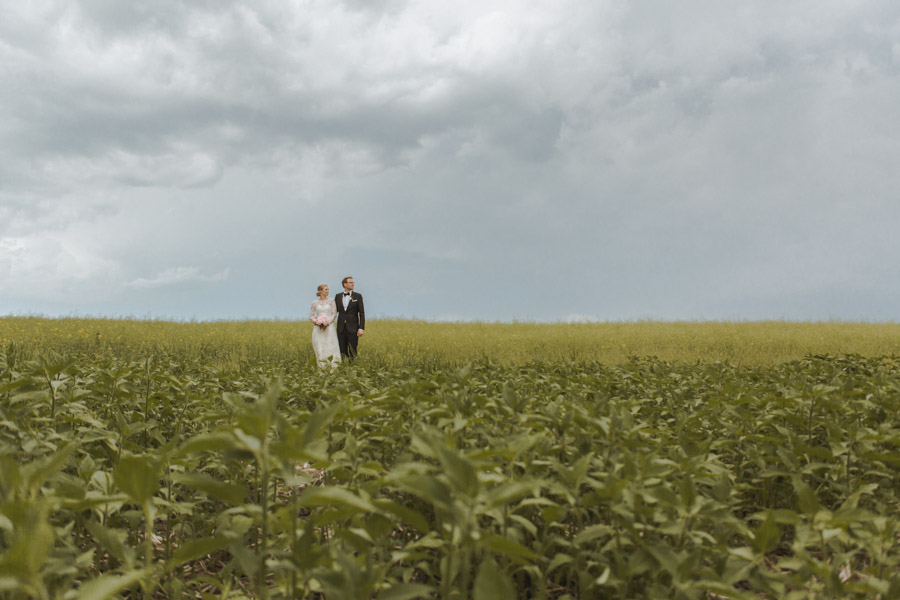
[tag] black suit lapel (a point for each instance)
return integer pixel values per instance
(340, 302)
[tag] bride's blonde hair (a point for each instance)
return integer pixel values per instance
(321, 287)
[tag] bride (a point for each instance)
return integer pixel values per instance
(323, 313)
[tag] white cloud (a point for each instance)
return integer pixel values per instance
(182, 167)
(51, 266)
(576, 318)
(176, 276)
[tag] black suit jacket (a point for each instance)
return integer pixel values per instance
(354, 317)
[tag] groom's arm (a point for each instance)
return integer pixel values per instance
(362, 316)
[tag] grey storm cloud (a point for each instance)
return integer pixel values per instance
(126, 90)
(214, 159)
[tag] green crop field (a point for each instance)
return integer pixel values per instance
(419, 343)
(145, 459)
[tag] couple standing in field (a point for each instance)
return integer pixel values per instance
(339, 323)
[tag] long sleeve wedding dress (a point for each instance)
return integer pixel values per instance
(325, 342)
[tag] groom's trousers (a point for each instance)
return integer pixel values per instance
(348, 342)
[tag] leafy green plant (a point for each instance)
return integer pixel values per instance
(173, 476)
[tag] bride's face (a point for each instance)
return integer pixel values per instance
(323, 293)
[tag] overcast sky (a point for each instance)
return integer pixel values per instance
(490, 160)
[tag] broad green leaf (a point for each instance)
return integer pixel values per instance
(491, 583)
(666, 558)
(138, 477)
(724, 590)
(806, 499)
(10, 475)
(335, 496)
(317, 421)
(510, 491)
(28, 548)
(578, 471)
(407, 591)
(36, 473)
(232, 493)
(427, 487)
(459, 470)
(194, 549)
(51, 369)
(559, 560)
(246, 559)
(767, 536)
(591, 533)
(114, 541)
(604, 577)
(507, 547)
(408, 515)
(109, 586)
(208, 442)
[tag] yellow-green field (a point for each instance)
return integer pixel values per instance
(175, 460)
(399, 342)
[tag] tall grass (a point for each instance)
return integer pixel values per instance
(409, 342)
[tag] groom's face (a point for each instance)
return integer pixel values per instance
(348, 285)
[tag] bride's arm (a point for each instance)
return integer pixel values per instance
(312, 312)
(333, 308)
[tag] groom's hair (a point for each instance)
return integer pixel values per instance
(344, 280)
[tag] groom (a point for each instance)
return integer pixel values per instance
(351, 319)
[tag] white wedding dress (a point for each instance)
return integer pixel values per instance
(325, 342)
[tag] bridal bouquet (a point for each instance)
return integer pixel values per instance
(321, 322)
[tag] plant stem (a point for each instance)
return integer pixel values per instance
(148, 547)
(262, 592)
(52, 396)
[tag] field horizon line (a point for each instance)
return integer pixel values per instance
(438, 321)
(418, 320)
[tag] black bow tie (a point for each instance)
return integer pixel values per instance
(346, 293)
